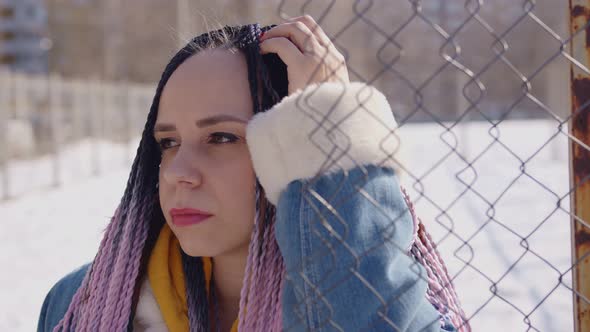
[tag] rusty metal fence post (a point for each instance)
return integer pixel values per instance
(5, 91)
(580, 160)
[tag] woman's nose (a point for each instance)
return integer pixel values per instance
(183, 169)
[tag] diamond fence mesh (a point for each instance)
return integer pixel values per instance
(490, 185)
(481, 94)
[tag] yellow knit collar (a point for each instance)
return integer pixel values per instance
(166, 278)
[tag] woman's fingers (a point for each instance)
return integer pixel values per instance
(282, 46)
(298, 33)
(314, 27)
(307, 51)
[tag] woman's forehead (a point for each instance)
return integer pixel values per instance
(210, 81)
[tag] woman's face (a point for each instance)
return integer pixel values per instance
(206, 165)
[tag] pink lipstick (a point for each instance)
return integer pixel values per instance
(187, 217)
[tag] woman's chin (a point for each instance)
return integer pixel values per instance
(197, 250)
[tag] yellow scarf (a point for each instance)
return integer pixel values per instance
(166, 277)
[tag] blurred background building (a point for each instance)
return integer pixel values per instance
(132, 40)
(23, 31)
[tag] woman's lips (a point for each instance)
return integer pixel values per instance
(187, 217)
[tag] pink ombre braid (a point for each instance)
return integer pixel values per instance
(260, 302)
(441, 291)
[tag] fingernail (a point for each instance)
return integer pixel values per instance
(261, 35)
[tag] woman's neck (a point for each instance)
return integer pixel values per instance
(228, 272)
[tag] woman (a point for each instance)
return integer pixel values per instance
(262, 198)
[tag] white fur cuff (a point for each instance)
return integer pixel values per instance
(323, 128)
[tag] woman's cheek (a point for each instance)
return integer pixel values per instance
(241, 180)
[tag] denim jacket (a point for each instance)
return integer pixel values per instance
(58, 299)
(324, 158)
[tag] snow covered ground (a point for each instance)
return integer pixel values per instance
(46, 233)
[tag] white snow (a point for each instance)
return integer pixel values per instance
(502, 208)
(47, 232)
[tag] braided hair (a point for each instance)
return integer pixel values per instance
(109, 292)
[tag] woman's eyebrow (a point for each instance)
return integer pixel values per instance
(209, 121)
(217, 119)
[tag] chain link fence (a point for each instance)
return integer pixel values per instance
(489, 170)
(480, 91)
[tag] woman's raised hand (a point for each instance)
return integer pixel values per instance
(309, 54)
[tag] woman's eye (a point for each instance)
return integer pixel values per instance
(166, 143)
(222, 138)
(214, 138)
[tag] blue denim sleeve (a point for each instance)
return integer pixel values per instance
(58, 299)
(326, 158)
(343, 238)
